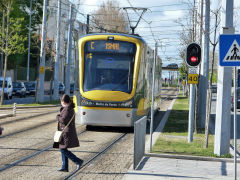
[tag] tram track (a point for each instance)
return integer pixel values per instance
(25, 158)
(26, 118)
(93, 158)
(42, 156)
(28, 129)
(45, 151)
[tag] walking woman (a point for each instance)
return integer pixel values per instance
(69, 138)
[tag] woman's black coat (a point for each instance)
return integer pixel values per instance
(70, 139)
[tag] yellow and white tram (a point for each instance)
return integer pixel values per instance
(115, 79)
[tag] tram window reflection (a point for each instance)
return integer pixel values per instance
(109, 72)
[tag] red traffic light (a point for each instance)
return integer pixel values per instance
(193, 55)
(193, 59)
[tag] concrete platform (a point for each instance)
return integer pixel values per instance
(169, 168)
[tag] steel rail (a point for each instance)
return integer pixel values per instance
(30, 156)
(28, 129)
(105, 149)
(30, 107)
(29, 117)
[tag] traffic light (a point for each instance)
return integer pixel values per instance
(193, 57)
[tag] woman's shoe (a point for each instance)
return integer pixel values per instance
(63, 170)
(79, 164)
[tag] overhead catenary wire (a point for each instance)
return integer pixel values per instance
(84, 15)
(154, 34)
(163, 5)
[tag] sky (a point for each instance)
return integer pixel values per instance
(161, 22)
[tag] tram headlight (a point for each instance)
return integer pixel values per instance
(111, 38)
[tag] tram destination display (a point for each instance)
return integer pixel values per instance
(105, 46)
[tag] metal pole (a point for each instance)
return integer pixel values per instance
(29, 40)
(191, 113)
(42, 56)
(235, 122)
(69, 50)
(223, 115)
(87, 29)
(199, 106)
(56, 66)
(153, 88)
(2, 53)
(204, 75)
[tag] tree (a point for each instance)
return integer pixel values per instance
(21, 9)
(12, 39)
(214, 43)
(109, 18)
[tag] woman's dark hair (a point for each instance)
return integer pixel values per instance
(66, 98)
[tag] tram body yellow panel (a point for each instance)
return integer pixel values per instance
(100, 95)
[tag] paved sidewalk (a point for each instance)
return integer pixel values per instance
(168, 168)
(173, 167)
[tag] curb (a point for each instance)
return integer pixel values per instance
(159, 129)
(187, 157)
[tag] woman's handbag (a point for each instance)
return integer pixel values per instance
(58, 134)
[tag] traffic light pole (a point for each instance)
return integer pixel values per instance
(191, 113)
(193, 59)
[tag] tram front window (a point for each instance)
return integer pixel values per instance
(109, 70)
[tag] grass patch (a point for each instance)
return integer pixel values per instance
(174, 138)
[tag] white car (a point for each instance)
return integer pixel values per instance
(8, 89)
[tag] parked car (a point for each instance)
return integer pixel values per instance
(19, 89)
(214, 88)
(8, 89)
(72, 86)
(238, 100)
(61, 88)
(30, 87)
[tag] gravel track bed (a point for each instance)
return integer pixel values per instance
(111, 165)
(45, 165)
(26, 113)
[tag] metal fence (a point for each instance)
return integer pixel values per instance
(139, 140)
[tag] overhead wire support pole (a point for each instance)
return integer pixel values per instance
(2, 53)
(29, 40)
(40, 95)
(153, 89)
(87, 28)
(56, 65)
(69, 50)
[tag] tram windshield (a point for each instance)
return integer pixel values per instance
(108, 65)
